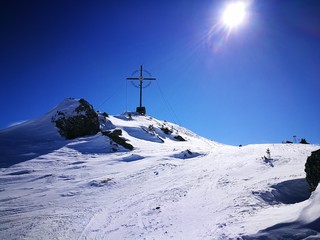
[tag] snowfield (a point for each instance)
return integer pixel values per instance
(90, 188)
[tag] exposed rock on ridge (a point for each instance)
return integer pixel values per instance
(80, 121)
(312, 169)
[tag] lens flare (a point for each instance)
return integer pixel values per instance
(234, 14)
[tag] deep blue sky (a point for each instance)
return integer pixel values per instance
(259, 85)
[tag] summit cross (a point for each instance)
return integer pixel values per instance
(141, 109)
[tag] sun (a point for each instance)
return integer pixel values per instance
(234, 14)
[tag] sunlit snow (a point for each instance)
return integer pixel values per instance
(170, 189)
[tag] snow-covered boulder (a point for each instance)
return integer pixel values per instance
(312, 169)
(76, 118)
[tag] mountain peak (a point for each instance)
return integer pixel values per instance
(76, 119)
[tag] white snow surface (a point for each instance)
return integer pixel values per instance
(51, 188)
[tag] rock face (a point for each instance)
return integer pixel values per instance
(76, 118)
(312, 169)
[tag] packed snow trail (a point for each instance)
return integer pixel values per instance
(157, 197)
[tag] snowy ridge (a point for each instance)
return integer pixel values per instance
(162, 189)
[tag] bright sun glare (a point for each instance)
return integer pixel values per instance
(234, 14)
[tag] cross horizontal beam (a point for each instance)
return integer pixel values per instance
(141, 79)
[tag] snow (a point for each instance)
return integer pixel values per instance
(51, 188)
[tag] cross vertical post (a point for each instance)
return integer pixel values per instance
(141, 78)
(141, 109)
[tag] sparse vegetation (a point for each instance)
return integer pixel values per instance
(268, 153)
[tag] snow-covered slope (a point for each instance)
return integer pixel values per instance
(31, 139)
(165, 188)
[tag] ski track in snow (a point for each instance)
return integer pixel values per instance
(147, 193)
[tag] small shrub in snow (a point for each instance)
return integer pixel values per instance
(151, 128)
(268, 154)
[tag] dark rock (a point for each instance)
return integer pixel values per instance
(188, 151)
(312, 169)
(166, 130)
(179, 138)
(78, 122)
(105, 114)
(115, 136)
(160, 139)
(117, 132)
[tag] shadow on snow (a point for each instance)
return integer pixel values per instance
(287, 192)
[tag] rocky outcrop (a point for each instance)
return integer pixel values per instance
(115, 136)
(76, 118)
(312, 169)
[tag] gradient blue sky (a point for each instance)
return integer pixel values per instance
(259, 85)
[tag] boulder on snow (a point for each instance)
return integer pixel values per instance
(312, 169)
(76, 120)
